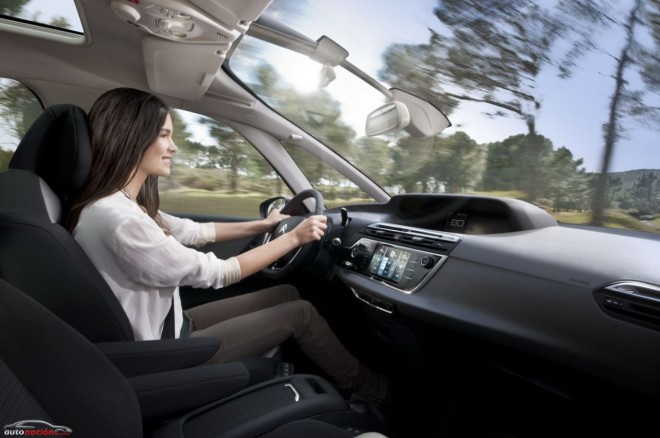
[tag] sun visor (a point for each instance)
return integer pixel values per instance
(184, 71)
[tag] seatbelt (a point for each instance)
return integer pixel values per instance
(168, 326)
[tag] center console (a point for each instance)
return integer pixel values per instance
(402, 258)
(261, 408)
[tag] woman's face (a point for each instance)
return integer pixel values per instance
(157, 159)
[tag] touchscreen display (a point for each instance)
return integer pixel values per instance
(389, 263)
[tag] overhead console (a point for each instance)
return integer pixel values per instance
(402, 258)
(205, 21)
(205, 27)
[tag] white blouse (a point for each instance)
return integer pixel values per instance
(143, 266)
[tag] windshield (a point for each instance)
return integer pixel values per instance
(552, 102)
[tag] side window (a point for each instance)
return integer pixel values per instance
(18, 109)
(216, 171)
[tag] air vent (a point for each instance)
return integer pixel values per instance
(632, 301)
(414, 236)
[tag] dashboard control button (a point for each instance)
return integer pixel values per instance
(427, 262)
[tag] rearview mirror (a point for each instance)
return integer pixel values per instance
(392, 116)
(425, 119)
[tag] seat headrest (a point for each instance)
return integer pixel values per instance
(57, 148)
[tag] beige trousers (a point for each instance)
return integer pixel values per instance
(250, 324)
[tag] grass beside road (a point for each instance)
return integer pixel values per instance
(242, 204)
(246, 204)
(613, 219)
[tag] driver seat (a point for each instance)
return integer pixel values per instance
(37, 254)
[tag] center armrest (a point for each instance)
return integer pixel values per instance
(162, 395)
(134, 358)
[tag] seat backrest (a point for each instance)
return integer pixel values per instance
(48, 372)
(37, 254)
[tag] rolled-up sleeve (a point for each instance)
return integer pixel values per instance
(189, 232)
(151, 257)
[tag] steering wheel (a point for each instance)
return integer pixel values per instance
(289, 262)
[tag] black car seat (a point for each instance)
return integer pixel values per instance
(37, 254)
(50, 373)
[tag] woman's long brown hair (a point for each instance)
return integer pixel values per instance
(124, 122)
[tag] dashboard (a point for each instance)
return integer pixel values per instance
(462, 214)
(505, 272)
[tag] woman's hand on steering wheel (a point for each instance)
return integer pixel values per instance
(274, 218)
(311, 229)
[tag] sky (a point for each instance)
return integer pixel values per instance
(572, 113)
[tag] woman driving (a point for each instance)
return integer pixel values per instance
(145, 254)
